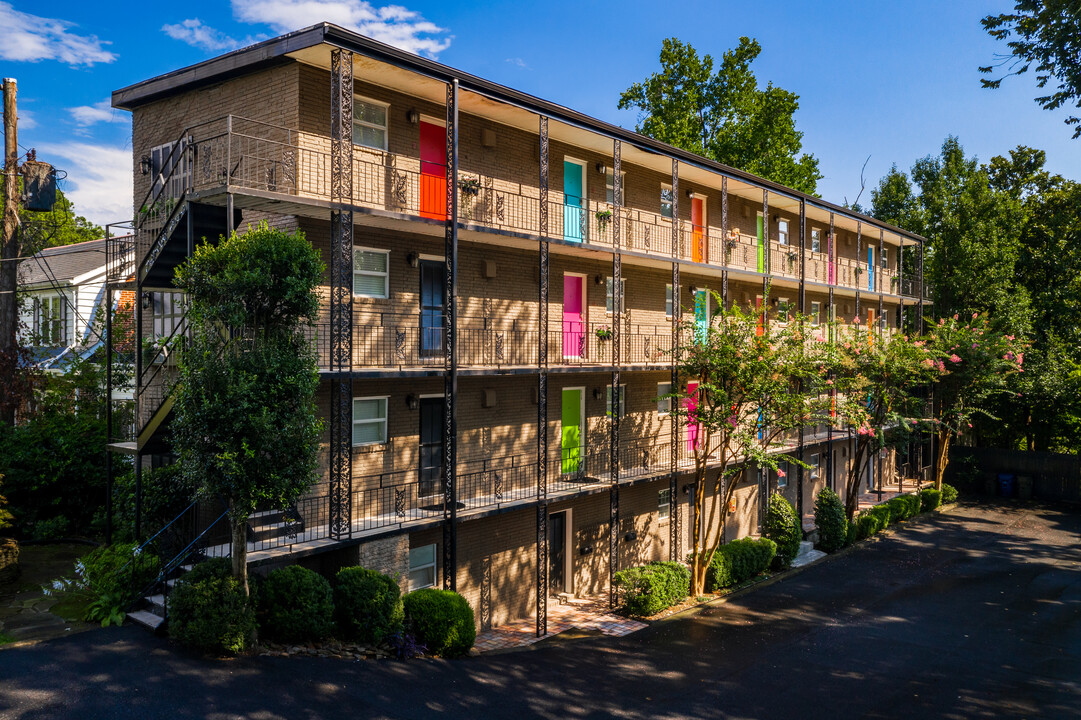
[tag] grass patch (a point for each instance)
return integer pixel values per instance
(6, 639)
(71, 608)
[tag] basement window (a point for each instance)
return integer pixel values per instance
(422, 567)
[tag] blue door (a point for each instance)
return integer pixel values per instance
(432, 300)
(870, 268)
(573, 201)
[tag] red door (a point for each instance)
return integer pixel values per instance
(699, 252)
(574, 317)
(694, 429)
(760, 314)
(433, 171)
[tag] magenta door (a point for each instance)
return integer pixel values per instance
(694, 429)
(574, 317)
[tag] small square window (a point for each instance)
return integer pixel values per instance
(664, 404)
(664, 505)
(422, 567)
(667, 200)
(608, 295)
(622, 401)
(370, 123)
(369, 421)
(371, 273)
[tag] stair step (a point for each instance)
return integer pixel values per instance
(156, 604)
(147, 619)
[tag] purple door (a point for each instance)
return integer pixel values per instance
(574, 317)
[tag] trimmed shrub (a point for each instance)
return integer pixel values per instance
(903, 507)
(830, 521)
(217, 568)
(296, 604)
(739, 561)
(211, 614)
(949, 494)
(783, 528)
(113, 570)
(931, 499)
(852, 532)
(648, 589)
(441, 620)
(869, 522)
(882, 512)
(367, 604)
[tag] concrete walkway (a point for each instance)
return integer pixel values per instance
(972, 613)
(583, 616)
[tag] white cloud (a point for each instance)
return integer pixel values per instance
(518, 61)
(87, 115)
(392, 24)
(27, 120)
(31, 38)
(99, 179)
(194, 32)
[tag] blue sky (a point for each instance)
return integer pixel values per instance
(885, 80)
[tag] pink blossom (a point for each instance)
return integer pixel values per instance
(974, 316)
(941, 366)
(955, 316)
(856, 320)
(970, 424)
(954, 358)
(780, 473)
(975, 345)
(929, 362)
(829, 382)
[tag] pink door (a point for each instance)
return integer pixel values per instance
(694, 429)
(574, 317)
(433, 171)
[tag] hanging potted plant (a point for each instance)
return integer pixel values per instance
(469, 188)
(603, 218)
(603, 333)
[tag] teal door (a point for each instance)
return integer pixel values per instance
(701, 314)
(870, 268)
(573, 201)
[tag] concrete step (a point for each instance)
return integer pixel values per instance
(807, 554)
(147, 619)
(155, 604)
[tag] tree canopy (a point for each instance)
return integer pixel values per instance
(1043, 36)
(724, 114)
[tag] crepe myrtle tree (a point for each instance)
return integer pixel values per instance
(978, 359)
(744, 382)
(246, 428)
(879, 382)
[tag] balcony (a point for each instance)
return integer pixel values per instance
(281, 170)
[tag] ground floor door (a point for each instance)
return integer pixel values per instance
(431, 446)
(557, 553)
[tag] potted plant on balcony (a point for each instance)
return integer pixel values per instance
(894, 280)
(603, 218)
(470, 189)
(603, 333)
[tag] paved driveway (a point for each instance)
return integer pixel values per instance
(967, 614)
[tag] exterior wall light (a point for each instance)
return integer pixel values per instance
(413, 116)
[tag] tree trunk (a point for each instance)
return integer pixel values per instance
(943, 457)
(852, 492)
(9, 265)
(239, 554)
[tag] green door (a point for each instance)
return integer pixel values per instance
(571, 442)
(761, 245)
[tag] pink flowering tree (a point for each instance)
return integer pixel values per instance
(978, 359)
(879, 380)
(744, 385)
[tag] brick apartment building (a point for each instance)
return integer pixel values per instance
(444, 347)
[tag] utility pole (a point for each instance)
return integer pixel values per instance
(9, 252)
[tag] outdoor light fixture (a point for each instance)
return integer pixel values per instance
(585, 550)
(631, 536)
(690, 193)
(147, 299)
(413, 116)
(601, 168)
(599, 279)
(596, 393)
(693, 290)
(412, 401)
(413, 259)
(144, 164)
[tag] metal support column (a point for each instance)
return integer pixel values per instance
(450, 351)
(674, 515)
(767, 264)
(802, 310)
(542, 395)
(831, 317)
(901, 285)
(617, 357)
(859, 248)
(109, 270)
(725, 240)
(341, 294)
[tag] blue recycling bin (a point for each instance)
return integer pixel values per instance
(1007, 485)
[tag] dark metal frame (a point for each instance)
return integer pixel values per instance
(542, 395)
(617, 320)
(674, 517)
(450, 351)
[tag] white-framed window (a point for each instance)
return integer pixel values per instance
(664, 505)
(782, 232)
(784, 309)
(169, 310)
(609, 186)
(664, 404)
(667, 200)
(608, 283)
(170, 170)
(370, 420)
(782, 474)
(816, 240)
(422, 567)
(370, 123)
(813, 462)
(371, 273)
(51, 319)
(622, 400)
(816, 312)
(884, 263)
(669, 300)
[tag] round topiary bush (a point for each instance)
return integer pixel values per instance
(739, 561)
(783, 528)
(211, 614)
(949, 494)
(830, 520)
(441, 620)
(367, 604)
(930, 499)
(296, 604)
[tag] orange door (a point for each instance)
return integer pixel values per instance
(699, 251)
(433, 171)
(760, 313)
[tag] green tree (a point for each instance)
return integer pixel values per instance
(878, 382)
(752, 383)
(978, 360)
(245, 427)
(724, 115)
(1043, 36)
